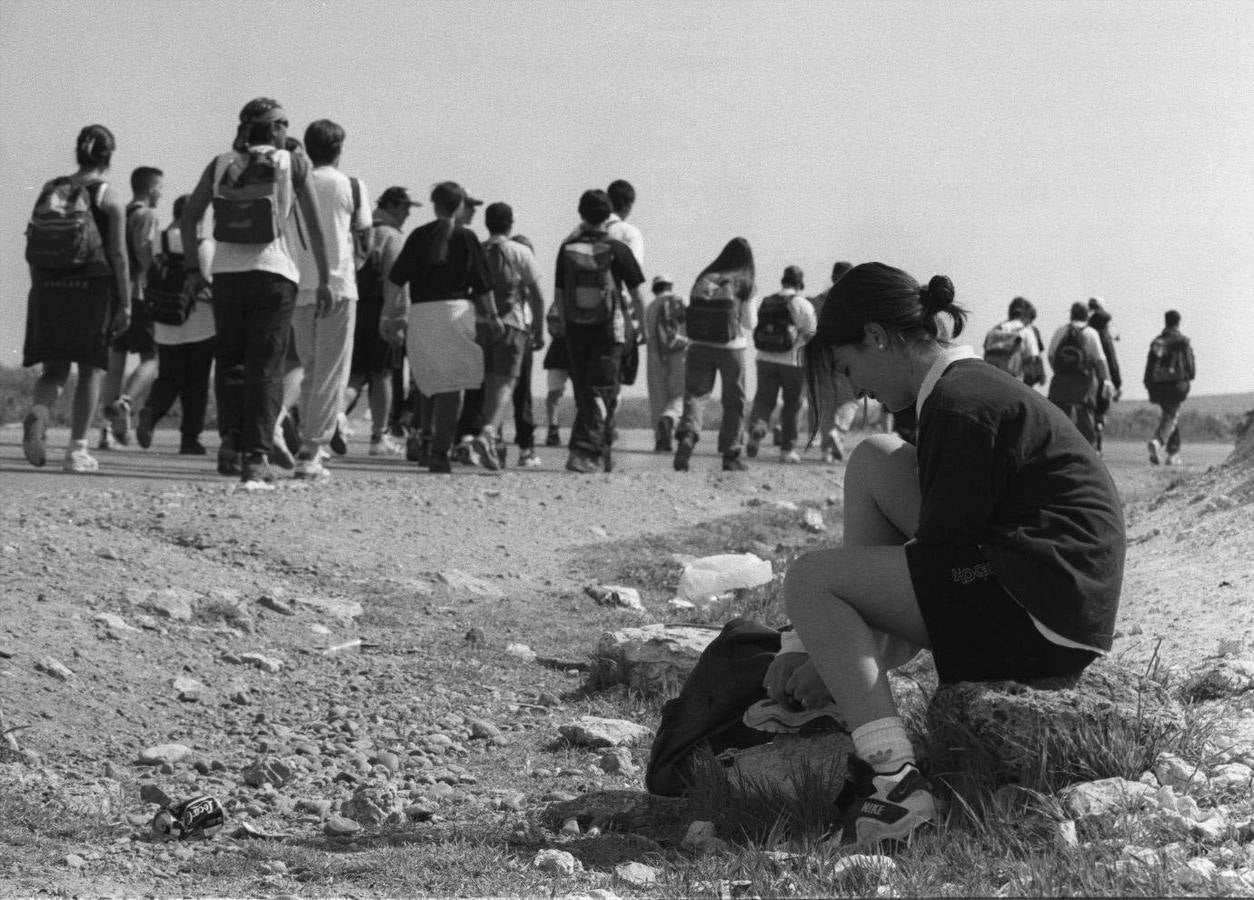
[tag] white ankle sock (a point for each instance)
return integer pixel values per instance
(883, 744)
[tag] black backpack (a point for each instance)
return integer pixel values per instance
(708, 712)
(776, 332)
(166, 296)
(1073, 370)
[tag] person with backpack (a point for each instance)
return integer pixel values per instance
(785, 321)
(997, 543)
(184, 334)
(143, 233)
(1080, 372)
(593, 271)
(1012, 345)
(1099, 321)
(446, 270)
(80, 295)
(719, 316)
(515, 289)
(255, 189)
(374, 360)
(668, 350)
(323, 332)
(1169, 373)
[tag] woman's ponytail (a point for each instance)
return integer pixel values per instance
(937, 297)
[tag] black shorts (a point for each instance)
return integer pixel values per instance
(138, 336)
(371, 353)
(556, 358)
(977, 630)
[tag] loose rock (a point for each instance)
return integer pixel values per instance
(595, 731)
(164, 753)
(636, 874)
(556, 862)
(339, 826)
(51, 666)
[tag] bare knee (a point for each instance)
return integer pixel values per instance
(804, 582)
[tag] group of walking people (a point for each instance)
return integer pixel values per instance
(996, 539)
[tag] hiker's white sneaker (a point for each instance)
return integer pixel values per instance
(80, 462)
(310, 468)
(1155, 450)
(791, 457)
(778, 718)
(386, 445)
(1173, 459)
(886, 807)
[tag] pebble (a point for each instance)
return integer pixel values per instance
(164, 754)
(556, 862)
(636, 874)
(52, 666)
(74, 861)
(264, 663)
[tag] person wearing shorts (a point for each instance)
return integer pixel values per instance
(997, 543)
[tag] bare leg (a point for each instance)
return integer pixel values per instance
(139, 382)
(496, 393)
(50, 384)
(855, 608)
(380, 401)
(86, 396)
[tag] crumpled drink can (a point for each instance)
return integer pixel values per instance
(199, 817)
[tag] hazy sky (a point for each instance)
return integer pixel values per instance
(1053, 150)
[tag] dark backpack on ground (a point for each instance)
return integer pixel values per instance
(726, 681)
(63, 233)
(245, 200)
(1003, 348)
(166, 295)
(776, 332)
(590, 294)
(1073, 369)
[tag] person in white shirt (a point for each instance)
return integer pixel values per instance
(323, 330)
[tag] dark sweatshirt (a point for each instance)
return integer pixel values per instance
(1003, 469)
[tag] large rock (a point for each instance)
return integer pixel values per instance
(653, 659)
(1035, 734)
(595, 731)
(375, 804)
(792, 765)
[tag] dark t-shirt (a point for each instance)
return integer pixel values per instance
(462, 273)
(624, 268)
(1003, 469)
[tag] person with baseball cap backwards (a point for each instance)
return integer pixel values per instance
(446, 270)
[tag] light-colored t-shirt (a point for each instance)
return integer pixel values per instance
(621, 231)
(332, 195)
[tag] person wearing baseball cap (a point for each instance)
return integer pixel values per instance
(444, 266)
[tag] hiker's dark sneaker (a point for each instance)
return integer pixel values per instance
(228, 461)
(464, 453)
(553, 438)
(337, 443)
(777, 436)
(106, 441)
(1155, 450)
(483, 445)
(779, 718)
(581, 463)
(120, 420)
(414, 451)
(755, 441)
(733, 463)
(439, 463)
(35, 436)
(683, 452)
(885, 807)
(664, 436)
(144, 427)
(527, 459)
(192, 448)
